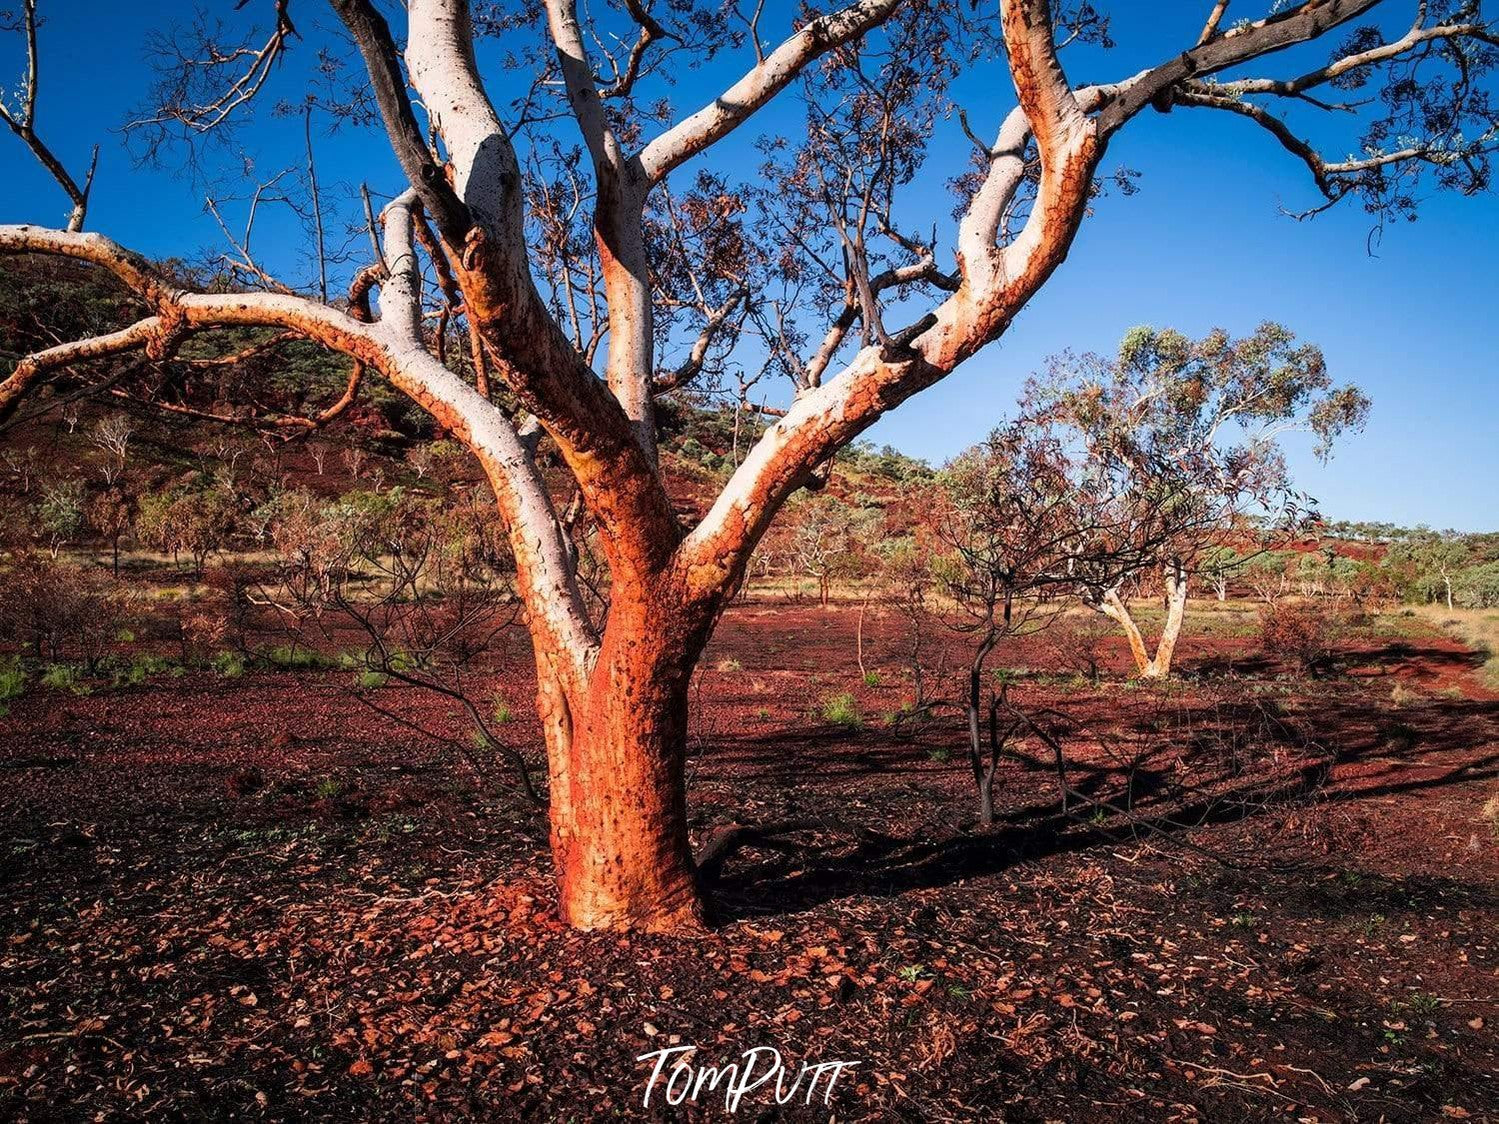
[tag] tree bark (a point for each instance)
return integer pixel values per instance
(1176, 611)
(1114, 608)
(1157, 666)
(983, 777)
(616, 750)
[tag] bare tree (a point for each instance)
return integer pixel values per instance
(873, 76)
(20, 116)
(1020, 520)
(111, 435)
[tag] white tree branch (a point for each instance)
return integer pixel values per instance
(759, 85)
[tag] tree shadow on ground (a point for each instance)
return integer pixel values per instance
(1108, 803)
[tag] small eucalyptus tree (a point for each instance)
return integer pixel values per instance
(1182, 437)
(560, 206)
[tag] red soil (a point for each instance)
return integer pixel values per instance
(259, 897)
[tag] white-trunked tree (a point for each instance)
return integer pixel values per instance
(569, 335)
(1182, 437)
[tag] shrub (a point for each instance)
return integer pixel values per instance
(12, 682)
(228, 665)
(65, 677)
(842, 710)
(293, 657)
(1299, 631)
(1401, 695)
(1477, 587)
(210, 619)
(139, 670)
(61, 609)
(1076, 641)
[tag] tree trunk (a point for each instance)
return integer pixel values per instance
(1149, 666)
(616, 750)
(986, 794)
(1176, 611)
(983, 778)
(1114, 608)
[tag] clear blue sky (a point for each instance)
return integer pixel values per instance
(1202, 244)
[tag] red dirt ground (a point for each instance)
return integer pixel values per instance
(258, 898)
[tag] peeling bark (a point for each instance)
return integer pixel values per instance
(617, 744)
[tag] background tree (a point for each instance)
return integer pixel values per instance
(1433, 560)
(586, 288)
(825, 540)
(1182, 437)
(110, 514)
(111, 436)
(61, 513)
(1219, 564)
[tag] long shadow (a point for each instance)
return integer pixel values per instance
(1404, 652)
(798, 875)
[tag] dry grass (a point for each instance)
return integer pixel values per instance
(1477, 628)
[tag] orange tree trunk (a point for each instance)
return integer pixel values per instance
(616, 751)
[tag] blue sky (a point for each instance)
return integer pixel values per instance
(1202, 244)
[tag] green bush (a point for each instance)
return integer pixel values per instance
(12, 682)
(842, 710)
(65, 677)
(145, 665)
(290, 657)
(1477, 587)
(228, 665)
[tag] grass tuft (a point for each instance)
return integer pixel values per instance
(842, 709)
